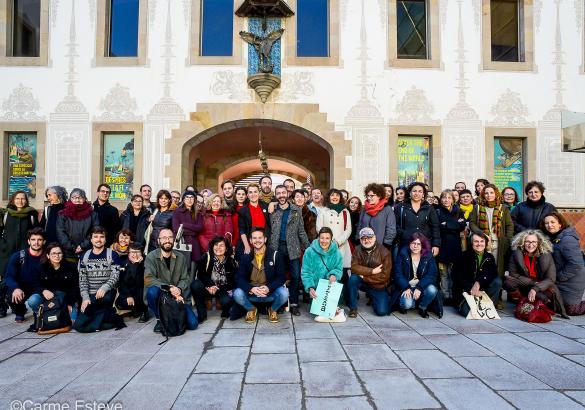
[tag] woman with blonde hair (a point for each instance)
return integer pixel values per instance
(217, 221)
(532, 271)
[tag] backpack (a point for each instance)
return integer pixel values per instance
(172, 315)
(53, 317)
(109, 258)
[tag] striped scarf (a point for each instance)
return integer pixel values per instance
(496, 219)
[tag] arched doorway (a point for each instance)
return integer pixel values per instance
(230, 150)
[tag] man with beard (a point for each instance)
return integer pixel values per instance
(108, 214)
(99, 271)
(316, 201)
(370, 267)
(290, 238)
(289, 184)
(22, 275)
(227, 187)
(266, 189)
(260, 279)
(166, 269)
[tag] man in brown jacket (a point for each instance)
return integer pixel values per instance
(370, 272)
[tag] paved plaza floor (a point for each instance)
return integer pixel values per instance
(398, 361)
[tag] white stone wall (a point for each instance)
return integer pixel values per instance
(362, 97)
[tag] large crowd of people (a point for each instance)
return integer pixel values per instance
(257, 249)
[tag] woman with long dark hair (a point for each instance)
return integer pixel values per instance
(190, 217)
(161, 218)
(510, 197)
(240, 200)
(135, 218)
(354, 205)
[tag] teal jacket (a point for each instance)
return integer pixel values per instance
(318, 264)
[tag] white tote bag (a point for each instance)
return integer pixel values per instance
(480, 307)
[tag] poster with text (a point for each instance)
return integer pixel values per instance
(414, 160)
(509, 164)
(119, 165)
(22, 158)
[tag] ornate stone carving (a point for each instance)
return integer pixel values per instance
(510, 111)
(21, 105)
(231, 84)
(558, 63)
(118, 105)
(296, 84)
(414, 108)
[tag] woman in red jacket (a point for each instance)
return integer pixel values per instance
(217, 221)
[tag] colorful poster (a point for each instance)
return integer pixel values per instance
(22, 158)
(509, 164)
(119, 165)
(414, 160)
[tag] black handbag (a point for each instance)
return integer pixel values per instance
(53, 317)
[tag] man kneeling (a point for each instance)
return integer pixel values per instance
(475, 272)
(370, 268)
(164, 268)
(260, 279)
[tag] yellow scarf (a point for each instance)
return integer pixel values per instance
(466, 209)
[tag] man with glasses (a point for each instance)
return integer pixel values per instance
(108, 214)
(176, 198)
(165, 269)
(370, 267)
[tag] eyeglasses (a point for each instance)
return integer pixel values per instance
(76, 198)
(530, 242)
(367, 237)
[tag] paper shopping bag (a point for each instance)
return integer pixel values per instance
(480, 307)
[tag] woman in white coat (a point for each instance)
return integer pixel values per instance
(336, 216)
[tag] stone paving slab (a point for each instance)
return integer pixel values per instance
(274, 343)
(499, 374)
(555, 342)
(276, 396)
(405, 340)
(148, 396)
(373, 357)
(425, 327)
(313, 330)
(540, 400)
(465, 394)
(356, 335)
(577, 358)
(577, 395)
(458, 345)
(564, 328)
(345, 403)
(233, 337)
(397, 389)
(320, 350)
(554, 370)
(330, 379)
(432, 364)
(273, 368)
(211, 391)
(223, 360)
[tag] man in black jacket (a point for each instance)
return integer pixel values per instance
(107, 214)
(475, 272)
(260, 279)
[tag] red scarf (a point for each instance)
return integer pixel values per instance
(77, 212)
(530, 265)
(373, 210)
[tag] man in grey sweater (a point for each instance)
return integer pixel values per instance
(99, 270)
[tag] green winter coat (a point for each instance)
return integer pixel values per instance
(318, 264)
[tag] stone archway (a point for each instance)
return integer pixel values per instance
(213, 120)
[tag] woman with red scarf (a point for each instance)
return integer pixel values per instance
(377, 215)
(532, 271)
(491, 218)
(74, 225)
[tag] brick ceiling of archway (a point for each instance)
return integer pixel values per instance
(243, 142)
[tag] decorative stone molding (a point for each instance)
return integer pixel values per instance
(509, 111)
(21, 105)
(476, 13)
(118, 105)
(54, 11)
(264, 84)
(295, 84)
(231, 84)
(443, 6)
(414, 108)
(537, 14)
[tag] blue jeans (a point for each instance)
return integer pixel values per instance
(34, 302)
(152, 296)
(380, 299)
(295, 272)
(278, 298)
(428, 295)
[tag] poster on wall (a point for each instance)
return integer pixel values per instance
(119, 165)
(22, 167)
(509, 164)
(414, 160)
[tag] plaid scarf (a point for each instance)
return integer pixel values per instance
(496, 219)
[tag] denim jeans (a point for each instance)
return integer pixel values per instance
(428, 295)
(153, 294)
(278, 298)
(380, 299)
(295, 272)
(34, 302)
(493, 291)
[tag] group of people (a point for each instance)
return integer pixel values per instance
(257, 249)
